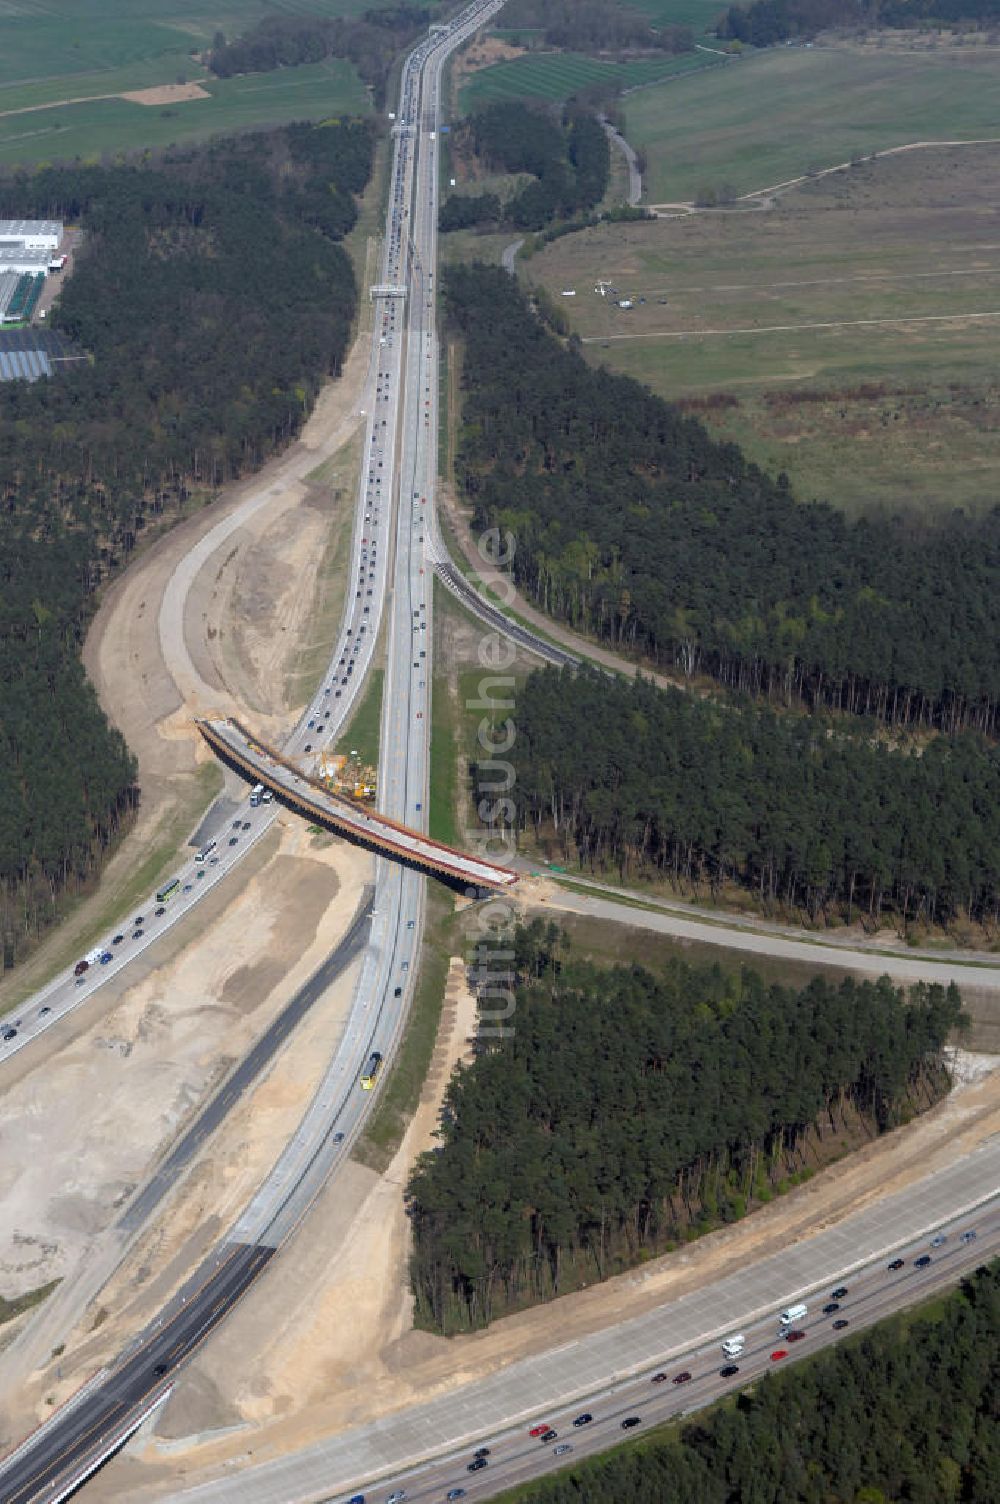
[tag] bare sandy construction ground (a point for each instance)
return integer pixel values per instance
(89, 1111)
(166, 94)
(82, 1131)
(311, 1376)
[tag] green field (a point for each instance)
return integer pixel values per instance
(52, 51)
(776, 114)
(700, 15)
(311, 92)
(365, 725)
(848, 336)
(557, 75)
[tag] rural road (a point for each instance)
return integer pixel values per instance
(616, 138)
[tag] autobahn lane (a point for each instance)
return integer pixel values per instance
(690, 1382)
(434, 1439)
(75, 1440)
(59, 1457)
(319, 724)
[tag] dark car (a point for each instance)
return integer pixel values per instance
(397, 992)
(631, 1421)
(548, 1435)
(80, 968)
(730, 1370)
(681, 1378)
(839, 1293)
(137, 934)
(237, 823)
(118, 940)
(922, 1261)
(830, 1307)
(970, 1236)
(795, 1336)
(235, 840)
(481, 1452)
(477, 1465)
(158, 913)
(42, 1011)
(584, 1419)
(139, 919)
(897, 1264)
(246, 823)
(838, 1325)
(10, 1034)
(160, 1369)
(658, 1378)
(455, 1493)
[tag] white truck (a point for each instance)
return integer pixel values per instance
(733, 1346)
(793, 1314)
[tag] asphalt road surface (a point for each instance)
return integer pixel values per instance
(67, 1448)
(425, 1449)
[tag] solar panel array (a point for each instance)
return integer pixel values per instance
(26, 354)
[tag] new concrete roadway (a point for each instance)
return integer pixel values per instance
(66, 1449)
(425, 1450)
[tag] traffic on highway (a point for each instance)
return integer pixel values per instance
(694, 1378)
(67, 1448)
(390, 572)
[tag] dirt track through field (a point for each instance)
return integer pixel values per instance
(926, 318)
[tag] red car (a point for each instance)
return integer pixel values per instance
(540, 1430)
(778, 1354)
(794, 1336)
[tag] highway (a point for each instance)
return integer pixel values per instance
(425, 1450)
(401, 468)
(325, 717)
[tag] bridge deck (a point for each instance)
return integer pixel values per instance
(263, 763)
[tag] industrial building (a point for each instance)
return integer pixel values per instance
(19, 293)
(26, 354)
(17, 259)
(31, 234)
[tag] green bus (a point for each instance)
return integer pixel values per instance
(165, 894)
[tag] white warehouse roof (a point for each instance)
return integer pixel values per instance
(31, 229)
(16, 259)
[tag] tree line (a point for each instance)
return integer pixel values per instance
(212, 299)
(622, 774)
(594, 26)
(624, 1109)
(632, 523)
(371, 42)
(906, 1411)
(568, 157)
(766, 23)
